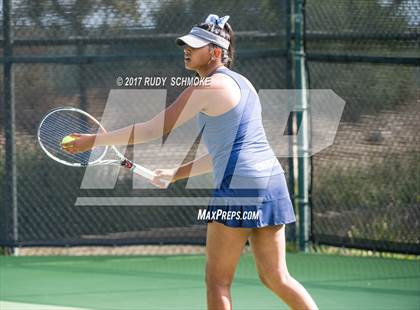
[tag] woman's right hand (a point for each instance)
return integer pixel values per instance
(80, 144)
(164, 174)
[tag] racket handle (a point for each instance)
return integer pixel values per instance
(144, 172)
(148, 174)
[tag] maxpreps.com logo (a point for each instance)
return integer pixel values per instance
(125, 107)
(208, 215)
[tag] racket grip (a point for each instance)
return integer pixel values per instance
(148, 174)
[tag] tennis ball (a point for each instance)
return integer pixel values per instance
(67, 139)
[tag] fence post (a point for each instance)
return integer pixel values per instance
(303, 128)
(291, 120)
(10, 178)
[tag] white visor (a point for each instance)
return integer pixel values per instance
(199, 37)
(192, 41)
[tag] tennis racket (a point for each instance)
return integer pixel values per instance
(62, 122)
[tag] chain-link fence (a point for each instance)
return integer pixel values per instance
(365, 190)
(70, 54)
(366, 186)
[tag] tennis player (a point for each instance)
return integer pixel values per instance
(247, 175)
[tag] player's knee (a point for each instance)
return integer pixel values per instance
(275, 280)
(217, 281)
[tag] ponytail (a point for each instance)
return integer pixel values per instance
(229, 55)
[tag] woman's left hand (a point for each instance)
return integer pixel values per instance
(167, 175)
(81, 143)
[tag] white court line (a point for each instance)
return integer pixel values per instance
(6, 305)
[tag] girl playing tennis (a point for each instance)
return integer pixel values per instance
(247, 175)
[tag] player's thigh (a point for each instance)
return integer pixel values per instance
(269, 248)
(223, 249)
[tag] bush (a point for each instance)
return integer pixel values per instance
(380, 202)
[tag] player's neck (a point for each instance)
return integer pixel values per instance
(209, 69)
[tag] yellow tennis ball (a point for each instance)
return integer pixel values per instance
(67, 139)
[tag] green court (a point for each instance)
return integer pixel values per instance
(177, 282)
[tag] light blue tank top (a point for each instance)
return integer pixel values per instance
(236, 139)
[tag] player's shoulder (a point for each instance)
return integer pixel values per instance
(225, 79)
(220, 80)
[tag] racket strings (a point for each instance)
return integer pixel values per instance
(61, 123)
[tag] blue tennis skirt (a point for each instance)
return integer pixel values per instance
(252, 202)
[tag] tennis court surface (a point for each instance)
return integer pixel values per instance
(177, 282)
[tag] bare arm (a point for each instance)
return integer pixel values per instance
(196, 167)
(199, 166)
(190, 102)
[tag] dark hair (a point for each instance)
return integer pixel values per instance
(226, 33)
